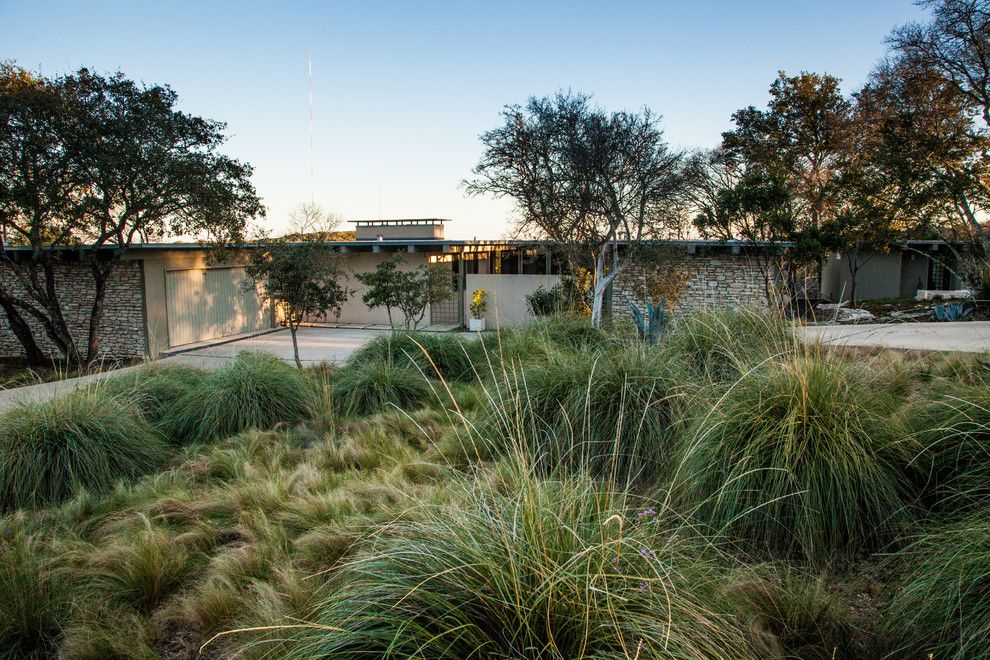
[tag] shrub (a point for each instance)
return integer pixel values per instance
(548, 570)
(799, 458)
(378, 385)
(452, 356)
(952, 423)
(255, 390)
(592, 410)
(84, 439)
(723, 344)
(940, 606)
(156, 388)
(34, 605)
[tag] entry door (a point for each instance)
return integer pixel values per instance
(208, 303)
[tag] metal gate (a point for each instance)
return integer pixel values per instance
(206, 303)
(450, 310)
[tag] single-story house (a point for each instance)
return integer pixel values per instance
(925, 265)
(168, 295)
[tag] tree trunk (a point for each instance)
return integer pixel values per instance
(295, 345)
(601, 285)
(100, 279)
(22, 331)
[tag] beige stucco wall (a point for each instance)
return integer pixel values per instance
(354, 310)
(506, 296)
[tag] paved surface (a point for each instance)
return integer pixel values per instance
(315, 345)
(967, 337)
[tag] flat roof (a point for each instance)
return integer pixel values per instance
(400, 222)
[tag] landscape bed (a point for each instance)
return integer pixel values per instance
(552, 491)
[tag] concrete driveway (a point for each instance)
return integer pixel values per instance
(315, 345)
(965, 337)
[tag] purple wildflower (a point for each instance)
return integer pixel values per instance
(645, 586)
(646, 513)
(645, 552)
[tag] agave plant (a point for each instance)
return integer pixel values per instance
(650, 326)
(951, 311)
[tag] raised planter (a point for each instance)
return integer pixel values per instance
(476, 325)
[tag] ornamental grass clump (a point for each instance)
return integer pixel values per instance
(799, 458)
(155, 388)
(445, 352)
(531, 568)
(722, 344)
(255, 390)
(952, 423)
(611, 412)
(940, 605)
(86, 439)
(381, 385)
(34, 603)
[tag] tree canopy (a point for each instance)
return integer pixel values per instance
(97, 163)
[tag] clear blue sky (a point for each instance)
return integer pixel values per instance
(402, 89)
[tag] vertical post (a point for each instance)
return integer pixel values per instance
(461, 286)
(547, 267)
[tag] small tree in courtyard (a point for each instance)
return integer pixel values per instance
(409, 291)
(304, 277)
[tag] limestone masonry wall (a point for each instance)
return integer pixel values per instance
(122, 327)
(722, 280)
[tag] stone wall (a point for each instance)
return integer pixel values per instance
(713, 280)
(122, 328)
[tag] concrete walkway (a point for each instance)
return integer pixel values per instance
(316, 345)
(964, 337)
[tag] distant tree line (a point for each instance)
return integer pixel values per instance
(815, 171)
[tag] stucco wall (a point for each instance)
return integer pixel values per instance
(354, 310)
(879, 276)
(506, 296)
(723, 280)
(122, 326)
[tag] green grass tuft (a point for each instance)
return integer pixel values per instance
(255, 390)
(799, 458)
(940, 605)
(155, 388)
(453, 356)
(380, 385)
(34, 604)
(86, 439)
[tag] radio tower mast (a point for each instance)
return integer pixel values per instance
(312, 178)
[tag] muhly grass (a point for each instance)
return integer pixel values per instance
(155, 388)
(612, 412)
(798, 458)
(940, 603)
(723, 344)
(952, 423)
(533, 568)
(34, 606)
(255, 390)
(381, 385)
(86, 439)
(436, 354)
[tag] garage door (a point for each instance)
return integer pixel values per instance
(207, 303)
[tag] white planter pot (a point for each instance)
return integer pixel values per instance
(476, 325)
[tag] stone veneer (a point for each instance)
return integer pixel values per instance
(122, 328)
(720, 280)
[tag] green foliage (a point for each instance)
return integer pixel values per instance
(255, 390)
(555, 569)
(952, 423)
(81, 440)
(155, 388)
(611, 412)
(303, 277)
(799, 458)
(410, 291)
(455, 358)
(381, 385)
(562, 298)
(721, 345)
(479, 304)
(951, 311)
(940, 604)
(652, 324)
(34, 604)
